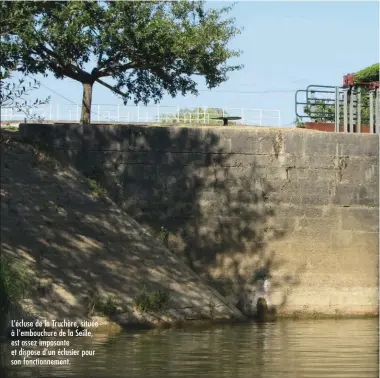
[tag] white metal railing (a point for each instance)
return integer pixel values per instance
(156, 114)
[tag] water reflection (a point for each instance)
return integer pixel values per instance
(297, 349)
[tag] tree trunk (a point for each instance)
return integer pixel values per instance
(86, 103)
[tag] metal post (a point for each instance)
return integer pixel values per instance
(178, 114)
(377, 110)
(358, 111)
(204, 114)
(371, 125)
(351, 110)
(337, 110)
(345, 115)
(312, 106)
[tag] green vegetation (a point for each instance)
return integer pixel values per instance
(200, 115)
(15, 283)
(97, 305)
(148, 48)
(14, 96)
(162, 236)
(151, 302)
(95, 188)
(368, 74)
(10, 128)
(326, 112)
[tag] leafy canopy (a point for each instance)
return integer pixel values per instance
(148, 48)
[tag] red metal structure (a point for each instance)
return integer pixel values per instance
(349, 81)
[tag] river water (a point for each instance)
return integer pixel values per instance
(288, 348)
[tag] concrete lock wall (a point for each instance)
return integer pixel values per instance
(243, 203)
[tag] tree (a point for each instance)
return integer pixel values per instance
(13, 95)
(148, 48)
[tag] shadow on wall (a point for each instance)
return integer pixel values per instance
(81, 248)
(221, 217)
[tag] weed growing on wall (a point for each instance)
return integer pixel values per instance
(151, 302)
(96, 189)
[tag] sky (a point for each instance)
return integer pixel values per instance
(286, 46)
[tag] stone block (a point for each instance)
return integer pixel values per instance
(360, 219)
(351, 194)
(40, 131)
(360, 170)
(106, 138)
(177, 140)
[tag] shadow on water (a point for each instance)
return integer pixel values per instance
(304, 348)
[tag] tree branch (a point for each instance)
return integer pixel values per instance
(113, 89)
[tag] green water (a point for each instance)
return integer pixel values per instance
(287, 348)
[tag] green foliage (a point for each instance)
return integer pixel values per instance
(162, 236)
(299, 123)
(147, 48)
(153, 302)
(323, 111)
(13, 96)
(15, 283)
(95, 304)
(95, 188)
(196, 115)
(368, 74)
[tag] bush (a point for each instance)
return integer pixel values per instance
(156, 301)
(14, 283)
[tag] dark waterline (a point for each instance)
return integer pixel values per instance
(344, 348)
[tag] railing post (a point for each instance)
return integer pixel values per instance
(337, 110)
(98, 113)
(50, 118)
(377, 110)
(371, 124)
(358, 111)
(351, 109)
(345, 115)
(177, 114)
